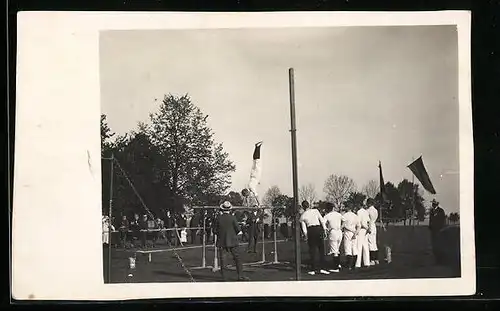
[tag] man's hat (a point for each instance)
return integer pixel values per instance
(226, 205)
(434, 202)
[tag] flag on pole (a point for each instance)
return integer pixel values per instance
(418, 169)
(383, 194)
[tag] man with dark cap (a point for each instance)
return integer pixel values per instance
(437, 220)
(314, 228)
(227, 231)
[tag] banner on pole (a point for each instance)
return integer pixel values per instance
(383, 194)
(418, 169)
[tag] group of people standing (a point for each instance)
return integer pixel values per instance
(356, 230)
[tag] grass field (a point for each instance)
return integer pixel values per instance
(411, 258)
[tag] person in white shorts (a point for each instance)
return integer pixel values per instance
(362, 239)
(350, 225)
(372, 235)
(333, 222)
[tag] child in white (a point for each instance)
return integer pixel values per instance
(333, 221)
(350, 224)
(372, 235)
(250, 194)
(363, 250)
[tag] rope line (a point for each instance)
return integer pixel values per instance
(152, 216)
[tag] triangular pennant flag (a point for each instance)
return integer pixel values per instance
(418, 169)
(383, 194)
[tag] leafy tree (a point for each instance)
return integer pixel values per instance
(136, 169)
(391, 207)
(356, 199)
(287, 202)
(338, 188)
(106, 135)
(412, 202)
(193, 166)
(271, 194)
(307, 193)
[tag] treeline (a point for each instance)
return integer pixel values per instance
(403, 202)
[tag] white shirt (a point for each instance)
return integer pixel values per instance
(351, 221)
(364, 218)
(333, 221)
(312, 217)
(373, 213)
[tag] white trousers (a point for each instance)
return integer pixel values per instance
(255, 175)
(105, 237)
(363, 251)
(350, 244)
(334, 240)
(372, 238)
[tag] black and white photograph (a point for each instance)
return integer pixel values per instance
(197, 161)
(271, 154)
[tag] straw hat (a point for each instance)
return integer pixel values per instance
(226, 205)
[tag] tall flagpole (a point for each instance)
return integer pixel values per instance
(293, 131)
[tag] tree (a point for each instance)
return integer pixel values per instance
(391, 207)
(355, 198)
(287, 202)
(337, 189)
(271, 194)
(411, 200)
(371, 189)
(307, 193)
(106, 135)
(193, 165)
(138, 158)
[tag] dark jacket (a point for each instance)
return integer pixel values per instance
(227, 228)
(437, 219)
(196, 221)
(169, 222)
(253, 224)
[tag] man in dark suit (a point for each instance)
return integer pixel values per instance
(169, 224)
(196, 221)
(437, 219)
(253, 223)
(227, 231)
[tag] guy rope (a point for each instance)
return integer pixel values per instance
(156, 221)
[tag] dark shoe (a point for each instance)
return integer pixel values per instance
(243, 278)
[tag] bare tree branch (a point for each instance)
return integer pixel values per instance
(371, 189)
(308, 193)
(337, 188)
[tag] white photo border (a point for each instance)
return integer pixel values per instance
(57, 144)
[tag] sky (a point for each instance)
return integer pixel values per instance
(363, 95)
